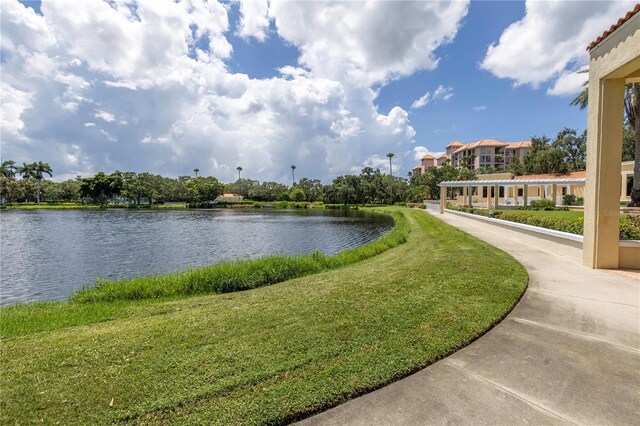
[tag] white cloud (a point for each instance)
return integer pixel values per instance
(419, 152)
(253, 19)
(104, 115)
(14, 103)
(121, 84)
(441, 93)
(360, 42)
(141, 66)
(550, 42)
(568, 83)
(480, 108)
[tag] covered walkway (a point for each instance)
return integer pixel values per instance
(514, 192)
(569, 353)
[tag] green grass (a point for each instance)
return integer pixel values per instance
(264, 356)
(73, 206)
(44, 206)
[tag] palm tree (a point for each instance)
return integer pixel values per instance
(239, 169)
(293, 173)
(390, 155)
(632, 111)
(39, 169)
(8, 169)
(196, 171)
(26, 170)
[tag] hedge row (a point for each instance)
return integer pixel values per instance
(629, 225)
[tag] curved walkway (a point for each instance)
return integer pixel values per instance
(569, 353)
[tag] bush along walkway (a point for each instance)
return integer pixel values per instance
(268, 355)
(559, 220)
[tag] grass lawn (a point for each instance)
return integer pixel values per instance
(268, 355)
(73, 206)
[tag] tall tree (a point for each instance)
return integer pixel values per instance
(293, 174)
(390, 156)
(574, 147)
(37, 172)
(632, 114)
(543, 158)
(8, 169)
(100, 187)
(196, 171)
(239, 169)
(203, 189)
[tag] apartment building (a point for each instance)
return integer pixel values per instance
(483, 154)
(486, 153)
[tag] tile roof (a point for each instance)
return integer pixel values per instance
(573, 175)
(454, 143)
(513, 182)
(494, 143)
(419, 166)
(428, 157)
(614, 27)
(517, 145)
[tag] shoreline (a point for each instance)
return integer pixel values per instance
(270, 354)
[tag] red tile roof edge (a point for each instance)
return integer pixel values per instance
(614, 27)
(571, 175)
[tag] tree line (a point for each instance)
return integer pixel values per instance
(565, 153)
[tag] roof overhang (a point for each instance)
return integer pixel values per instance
(616, 35)
(511, 182)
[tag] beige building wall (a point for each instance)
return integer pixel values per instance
(625, 175)
(614, 62)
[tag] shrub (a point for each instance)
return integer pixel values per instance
(564, 224)
(341, 207)
(569, 200)
(542, 205)
(629, 227)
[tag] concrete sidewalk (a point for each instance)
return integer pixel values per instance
(568, 353)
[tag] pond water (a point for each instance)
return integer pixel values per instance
(46, 254)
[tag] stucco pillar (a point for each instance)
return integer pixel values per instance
(496, 195)
(554, 193)
(470, 195)
(443, 198)
(604, 149)
(525, 194)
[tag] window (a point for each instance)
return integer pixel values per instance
(485, 159)
(520, 192)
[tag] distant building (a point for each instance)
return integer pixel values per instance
(436, 159)
(230, 197)
(486, 153)
(483, 154)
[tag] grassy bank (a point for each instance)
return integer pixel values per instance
(268, 355)
(45, 206)
(239, 275)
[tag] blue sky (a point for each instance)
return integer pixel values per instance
(165, 87)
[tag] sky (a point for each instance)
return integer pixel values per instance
(166, 87)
